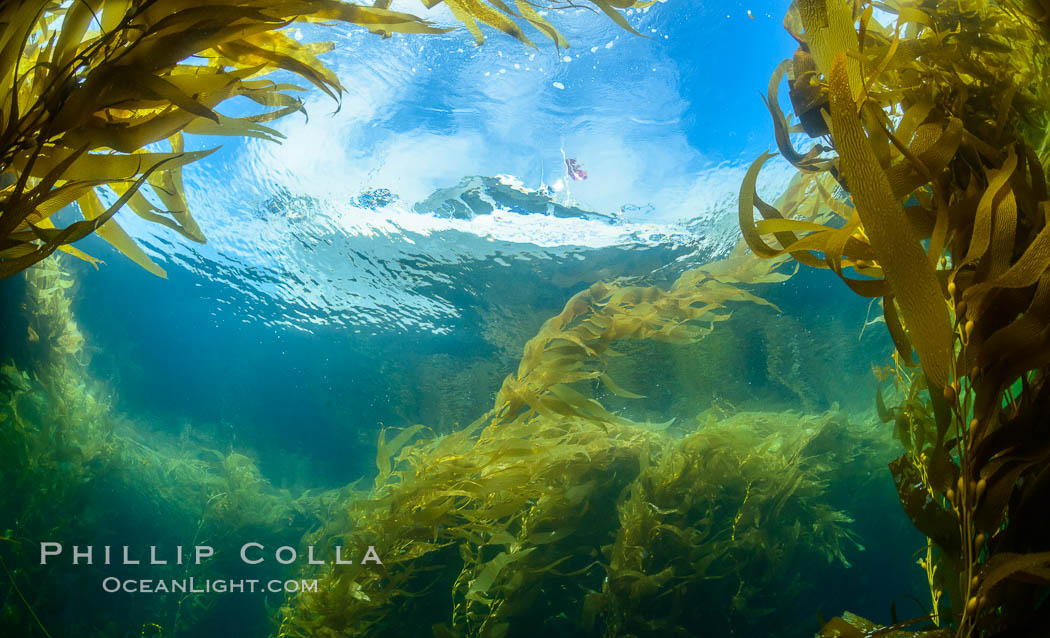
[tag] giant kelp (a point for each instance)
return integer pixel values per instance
(932, 119)
(584, 528)
(66, 449)
(570, 347)
(730, 515)
(90, 90)
(551, 513)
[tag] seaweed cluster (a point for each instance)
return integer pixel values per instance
(575, 527)
(90, 91)
(570, 346)
(928, 179)
(65, 450)
(551, 513)
(732, 515)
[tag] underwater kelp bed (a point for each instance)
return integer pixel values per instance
(75, 469)
(548, 513)
(562, 525)
(552, 514)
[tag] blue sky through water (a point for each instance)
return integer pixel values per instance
(663, 125)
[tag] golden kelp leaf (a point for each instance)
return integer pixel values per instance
(68, 249)
(167, 186)
(981, 237)
(468, 21)
(829, 33)
(907, 269)
(65, 85)
(535, 19)
(609, 8)
(99, 167)
(1031, 265)
(282, 52)
(53, 239)
(746, 209)
(236, 126)
(110, 231)
(375, 18)
(144, 209)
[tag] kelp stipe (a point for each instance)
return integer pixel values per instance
(938, 127)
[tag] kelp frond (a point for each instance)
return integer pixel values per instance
(552, 502)
(571, 346)
(525, 522)
(932, 118)
(89, 89)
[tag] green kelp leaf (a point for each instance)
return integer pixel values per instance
(885, 415)
(387, 449)
(908, 272)
(491, 571)
(617, 390)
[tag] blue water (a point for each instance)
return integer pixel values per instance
(329, 302)
(304, 299)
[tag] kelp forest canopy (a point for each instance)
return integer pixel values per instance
(920, 131)
(89, 91)
(931, 119)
